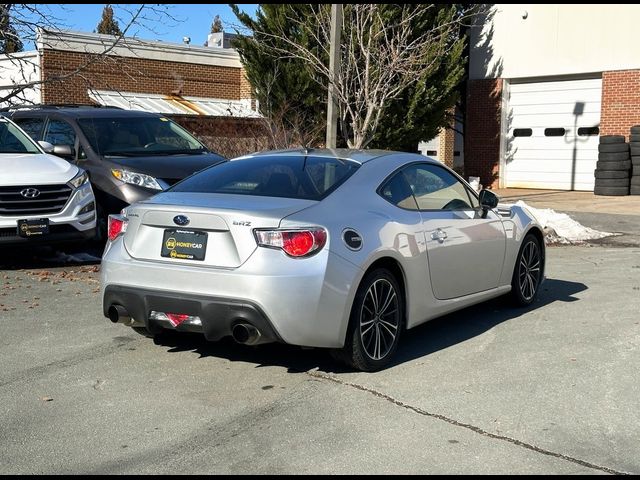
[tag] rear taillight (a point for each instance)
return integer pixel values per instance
(117, 226)
(295, 243)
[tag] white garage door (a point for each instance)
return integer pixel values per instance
(552, 136)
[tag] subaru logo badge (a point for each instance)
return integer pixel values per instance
(181, 220)
(30, 193)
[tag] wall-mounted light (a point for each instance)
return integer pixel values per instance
(525, 14)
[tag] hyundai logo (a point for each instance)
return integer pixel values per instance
(181, 220)
(30, 193)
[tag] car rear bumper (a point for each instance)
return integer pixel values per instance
(302, 301)
(217, 315)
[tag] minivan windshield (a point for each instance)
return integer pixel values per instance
(12, 140)
(303, 177)
(139, 136)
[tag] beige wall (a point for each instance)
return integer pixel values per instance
(555, 40)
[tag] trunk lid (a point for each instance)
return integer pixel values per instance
(223, 226)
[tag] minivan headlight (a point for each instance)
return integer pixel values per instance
(134, 178)
(80, 179)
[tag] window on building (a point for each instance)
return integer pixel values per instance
(588, 131)
(522, 132)
(554, 132)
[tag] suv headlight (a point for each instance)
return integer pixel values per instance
(80, 179)
(134, 178)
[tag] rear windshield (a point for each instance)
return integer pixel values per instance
(304, 177)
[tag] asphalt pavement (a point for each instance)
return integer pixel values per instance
(550, 389)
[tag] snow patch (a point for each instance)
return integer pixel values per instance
(560, 227)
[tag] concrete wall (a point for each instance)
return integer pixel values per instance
(555, 40)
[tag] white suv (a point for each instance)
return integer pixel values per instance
(43, 198)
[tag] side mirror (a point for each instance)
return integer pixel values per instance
(64, 151)
(46, 146)
(488, 200)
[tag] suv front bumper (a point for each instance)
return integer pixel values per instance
(64, 226)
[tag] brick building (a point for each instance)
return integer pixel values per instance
(545, 81)
(203, 88)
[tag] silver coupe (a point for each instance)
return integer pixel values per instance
(339, 249)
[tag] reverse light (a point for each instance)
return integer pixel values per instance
(295, 243)
(175, 318)
(134, 178)
(116, 226)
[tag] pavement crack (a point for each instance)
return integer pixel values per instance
(473, 428)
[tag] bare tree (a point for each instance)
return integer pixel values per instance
(29, 21)
(381, 56)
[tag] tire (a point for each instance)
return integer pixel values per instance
(613, 157)
(635, 130)
(370, 331)
(612, 182)
(635, 181)
(611, 191)
(609, 174)
(613, 148)
(636, 171)
(607, 139)
(101, 226)
(624, 165)
(634, 138)
(635, 161)
(634, 191)
(635, 150)
(527, 272)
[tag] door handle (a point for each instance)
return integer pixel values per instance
(439, 235)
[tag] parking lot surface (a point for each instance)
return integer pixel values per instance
(551, 389)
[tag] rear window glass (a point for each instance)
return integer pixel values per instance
(304, 177)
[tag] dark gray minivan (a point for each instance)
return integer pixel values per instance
(130, 155)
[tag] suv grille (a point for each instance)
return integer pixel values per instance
(50, 199)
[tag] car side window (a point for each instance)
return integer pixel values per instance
(60, 132)
(436, 189)
(397, 191)
(33, 126)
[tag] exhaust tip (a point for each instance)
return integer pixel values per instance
(245, 334)
(118, 314)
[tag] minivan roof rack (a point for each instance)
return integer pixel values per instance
(56, 106)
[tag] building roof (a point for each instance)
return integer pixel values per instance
(174, 104)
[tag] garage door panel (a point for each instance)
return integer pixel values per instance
(559, 86)
(543, 158)
(554, 109)
(540, 160)
(549, 167)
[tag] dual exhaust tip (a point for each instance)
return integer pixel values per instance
(119, 314)
(243, 333)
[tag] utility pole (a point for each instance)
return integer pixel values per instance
(334, 70)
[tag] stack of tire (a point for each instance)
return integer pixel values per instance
(614, 165)
(634, 141)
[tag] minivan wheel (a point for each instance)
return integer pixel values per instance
(375, 324)
(527, 273)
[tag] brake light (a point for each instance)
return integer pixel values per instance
(295, 243)
(116, 226)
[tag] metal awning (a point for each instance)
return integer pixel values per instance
(174, 104)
